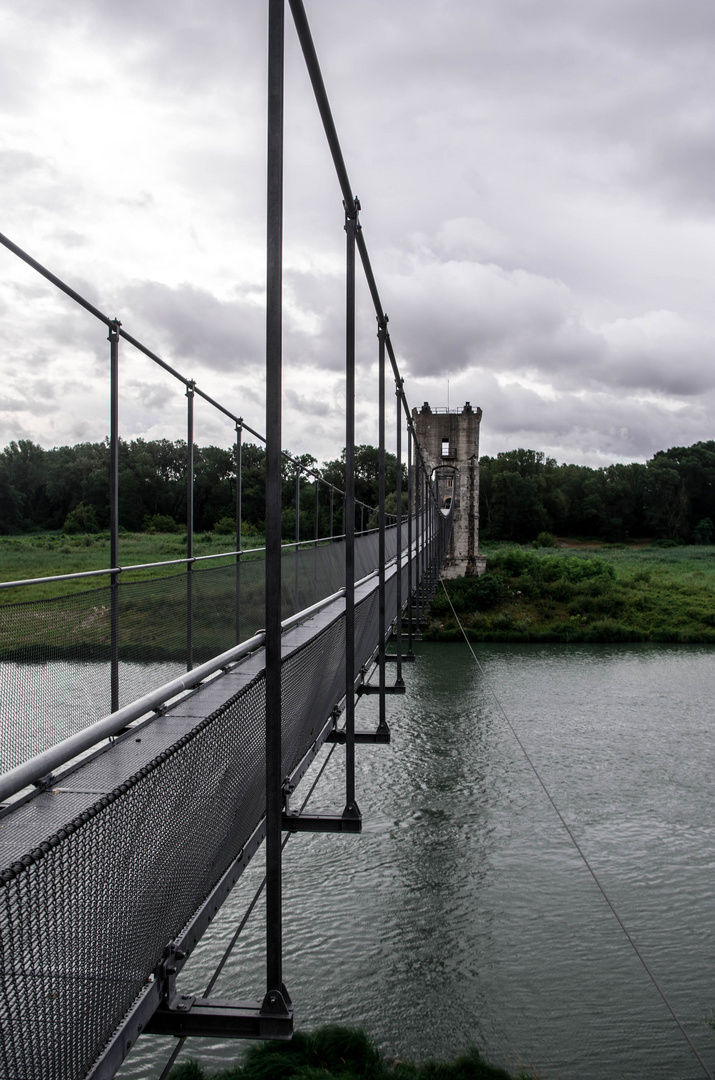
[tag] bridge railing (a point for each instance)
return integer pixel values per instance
(56, 671)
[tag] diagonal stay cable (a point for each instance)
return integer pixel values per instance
(246, 916)
(579, 849)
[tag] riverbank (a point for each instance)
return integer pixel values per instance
(340, 1053)
(603, 593)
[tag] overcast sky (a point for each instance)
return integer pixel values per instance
(537, 180)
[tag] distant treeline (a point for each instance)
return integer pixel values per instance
(522, 493)
(67, 488)
(671, 497)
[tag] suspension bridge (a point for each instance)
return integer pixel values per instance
(130, 810)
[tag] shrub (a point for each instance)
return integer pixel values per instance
(545, 540)
(704, 531)
(225, 526)
(82, 519)
(160, 523)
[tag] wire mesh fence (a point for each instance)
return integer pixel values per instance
(55, 654)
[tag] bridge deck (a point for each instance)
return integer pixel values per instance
(25, 827)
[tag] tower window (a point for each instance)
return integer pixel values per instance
(445, 447)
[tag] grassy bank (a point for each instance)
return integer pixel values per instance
(338, 1053)
(605, 593)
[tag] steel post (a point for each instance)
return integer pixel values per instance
(274, 364)
(189, 525)
(398, 523)
(410, 515)
(239, 539)
(297, 538)
(381, 336)
(114, 507)
(351, 227)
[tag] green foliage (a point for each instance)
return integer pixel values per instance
(621, 594)
(545, 540)
(160, 523)
(704, 531)
(339, 1053)
(82, 519)
(225, 526)
(523, 493)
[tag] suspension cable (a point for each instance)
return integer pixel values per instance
(578, 847)
(246, 916)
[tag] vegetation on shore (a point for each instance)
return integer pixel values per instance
(521, 492)
(340, 1053)
(613, 593)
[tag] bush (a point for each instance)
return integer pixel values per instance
(704, 531)
(225, 526)
(339, 1053)
(160, 523)
(83, 519)
(545, 540)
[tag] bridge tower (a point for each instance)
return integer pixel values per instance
(449, 439)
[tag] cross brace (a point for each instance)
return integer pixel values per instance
(372, 688)
(380, 735)
(295, 822)
(218, 1018)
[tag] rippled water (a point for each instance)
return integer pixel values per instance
(463, 915)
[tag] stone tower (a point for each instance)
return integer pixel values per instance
(450, 444)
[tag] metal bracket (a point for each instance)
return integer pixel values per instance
(185, 1014)
(350, 821)
(371, 688)
(380, 735)
(45, 782)
(218, 1018)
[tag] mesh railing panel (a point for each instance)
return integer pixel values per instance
(84, 918)
(55, 677)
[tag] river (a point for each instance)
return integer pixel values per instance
(463, 915)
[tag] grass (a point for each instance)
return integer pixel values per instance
(605, 593)
(340, 1053)
(40, 555)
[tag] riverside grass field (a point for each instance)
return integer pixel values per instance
(583, 593)
(577, 592)
(38, 555)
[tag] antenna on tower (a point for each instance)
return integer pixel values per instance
(447, 395)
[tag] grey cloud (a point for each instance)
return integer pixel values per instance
(198, 327)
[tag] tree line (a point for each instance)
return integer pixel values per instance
(522, 492)
(671, 497)
(67, 488)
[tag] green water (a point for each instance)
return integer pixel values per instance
(463, 915)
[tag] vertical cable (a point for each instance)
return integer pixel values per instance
(381, 336)
(114, 506)
(239, 539)
(399, 681)
(189, 525)
(410, 514)
(297, 534)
